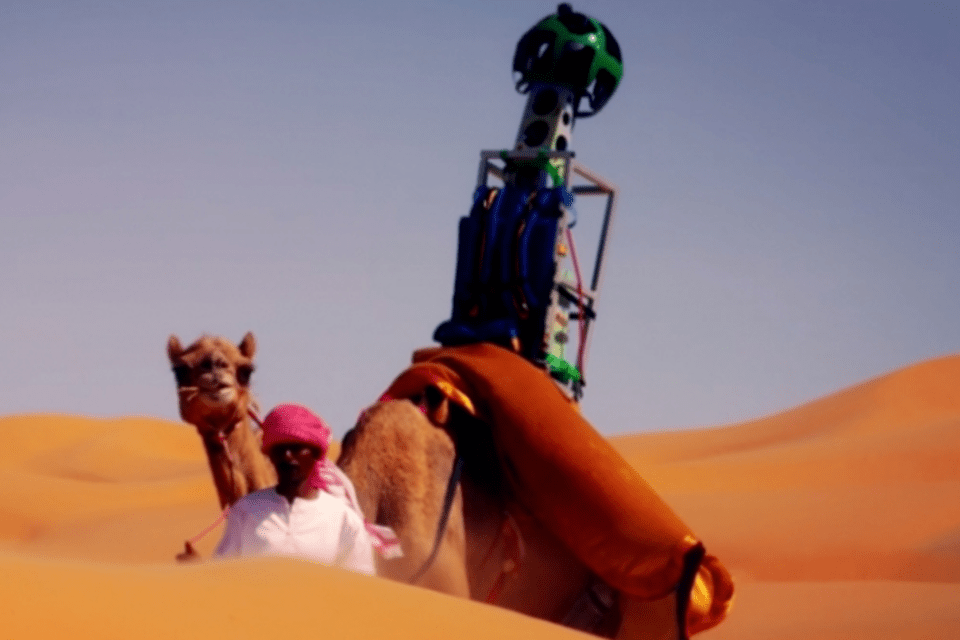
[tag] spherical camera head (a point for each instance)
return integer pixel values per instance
(574, 51)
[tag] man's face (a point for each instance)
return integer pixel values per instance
(294, 462)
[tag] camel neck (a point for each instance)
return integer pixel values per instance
(228, 426)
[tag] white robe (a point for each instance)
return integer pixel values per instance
(324, 529)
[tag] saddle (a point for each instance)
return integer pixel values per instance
(574, 482)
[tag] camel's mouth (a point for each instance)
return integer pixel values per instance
(219, 395)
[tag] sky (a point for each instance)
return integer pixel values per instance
(787, 226)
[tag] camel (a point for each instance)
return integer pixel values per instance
(401, 457)
(213, 386)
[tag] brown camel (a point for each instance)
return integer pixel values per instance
(400, 457)
(540, 495)
(213, 385)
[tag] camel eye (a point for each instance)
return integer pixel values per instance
(243, 374)
(206, 364)
(182, 373)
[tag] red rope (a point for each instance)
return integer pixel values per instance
(494, 594)
(223, 514)
(576, 269)
(213, 526)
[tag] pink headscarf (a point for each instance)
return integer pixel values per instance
(289, 423)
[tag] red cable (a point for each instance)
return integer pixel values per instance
(582, 317)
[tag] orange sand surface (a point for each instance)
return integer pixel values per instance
(838, 519)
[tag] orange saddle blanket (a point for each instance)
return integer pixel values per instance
(573, 480)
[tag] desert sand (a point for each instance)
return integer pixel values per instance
(839, 519)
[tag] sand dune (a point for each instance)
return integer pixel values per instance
(863, 484)
(839, 519)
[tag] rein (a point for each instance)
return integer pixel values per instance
(223, 515)
(221, 438)
(444, 518)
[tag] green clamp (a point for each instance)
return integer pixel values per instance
(564, 370)
(541, 162)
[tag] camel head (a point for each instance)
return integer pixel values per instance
(213, 380)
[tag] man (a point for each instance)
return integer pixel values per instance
(307, 515)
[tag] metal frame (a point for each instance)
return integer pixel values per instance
(597, 185)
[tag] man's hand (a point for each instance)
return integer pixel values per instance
(189, 554)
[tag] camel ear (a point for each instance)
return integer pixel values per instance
(248, 346)
(174, 348)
